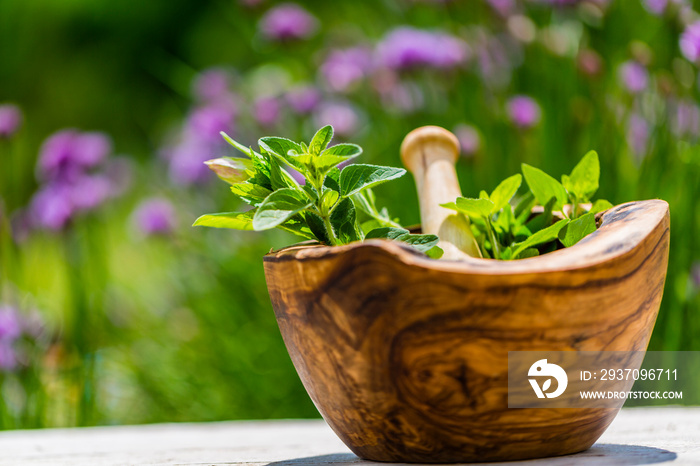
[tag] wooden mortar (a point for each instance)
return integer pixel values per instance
(406, 357)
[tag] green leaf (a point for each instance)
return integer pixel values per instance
(364, 202)
(343, 219)
(246, 150)
(529, 252)
(386, 233)
(279, 177)
(435, 252)
(504, 192)
(542, 220)
(284, 149)
(577, 229)
(543, 236)
(330, 197)
(483, 194)
(321, 139)
(507, 254)
(231, 170)
(279, 146)
(600, 205)
(355, 178)
(505, 222)
(325, 162)
(524, 208)
(369, 225)
(297, 226)
(471, 207)
(421, 242)
(332, 179)
(345, 150)
(544, 187)
(317, 227)
(261, 170)
(584, 178)
(279, 207)
(233, 220)
(250, 193)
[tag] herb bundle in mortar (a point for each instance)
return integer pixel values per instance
(337, 206)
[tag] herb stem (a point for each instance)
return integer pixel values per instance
(492, 237)
(325, 215)
(329, 230)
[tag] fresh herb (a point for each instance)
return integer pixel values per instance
(561, 220)
(334, 207)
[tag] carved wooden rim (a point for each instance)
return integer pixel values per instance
(622, 229)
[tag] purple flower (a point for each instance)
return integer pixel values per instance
(634, 76)
(656, 7)
(341, 115)
(690, 42)
(90, 149)
(344, 68)
(67, 166)
(524, 111)
(304, 99)
(10, 324)
(56, 155)
(68, 152)
(186, 164)
(686, 121)
(51, 207)
(14, 325)
(469, 139)
(199, 141)
(266, 110)
(638, 136)
(208, 121)
(288, 21)
(8, 357)
(155, 216)
(211, 84)
(10, 120)
(407, 47)
(89, 191)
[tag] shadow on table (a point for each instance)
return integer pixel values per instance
(602, 454)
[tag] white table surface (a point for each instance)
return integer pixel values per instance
(637, 436)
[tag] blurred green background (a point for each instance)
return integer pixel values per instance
(114, 310)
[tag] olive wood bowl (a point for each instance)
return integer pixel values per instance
(406, 357)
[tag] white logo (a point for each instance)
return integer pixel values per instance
(543, 369)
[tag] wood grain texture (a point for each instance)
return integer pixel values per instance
(406, 357)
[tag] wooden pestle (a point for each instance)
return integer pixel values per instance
(430, 153)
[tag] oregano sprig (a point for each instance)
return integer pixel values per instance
(335, 206)
(506, 232)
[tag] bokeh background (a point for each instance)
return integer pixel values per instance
(114, 310)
